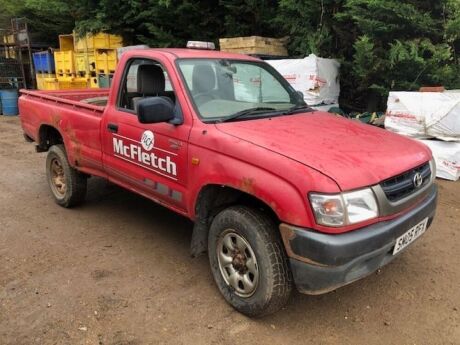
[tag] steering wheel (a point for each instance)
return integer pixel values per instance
(203, 97)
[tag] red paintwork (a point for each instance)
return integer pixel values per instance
(351, 153)
(278, 160)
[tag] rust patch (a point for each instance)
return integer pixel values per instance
(55, 119)
(247, 185)
(293, 218)
(76, 144)
(288, 234)
(275, 208)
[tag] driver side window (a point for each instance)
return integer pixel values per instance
(143, 78)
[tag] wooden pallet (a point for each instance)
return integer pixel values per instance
(254, 45)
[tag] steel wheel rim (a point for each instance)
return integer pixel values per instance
(237, 263)
(57, 177)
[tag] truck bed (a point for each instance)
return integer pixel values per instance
(75, 114)
(83, 97)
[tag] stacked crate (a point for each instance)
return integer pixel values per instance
(86, 61)
(45, 70)
(96, 57)
(64, 58)
(66, 73)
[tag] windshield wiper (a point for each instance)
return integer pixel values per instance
(296, 108)
(245, 112)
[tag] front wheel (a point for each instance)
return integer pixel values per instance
(248, 262)
(67, 185)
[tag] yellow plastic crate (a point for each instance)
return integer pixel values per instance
(106, 61)
(85, 63)
(77, 83)
(65, 65)
(47, 82)
(45, 75)
(51, 82)
(65, 78)
(66, 42)
(39, 80)
(93, 83)
(51, 85)
(98, 41)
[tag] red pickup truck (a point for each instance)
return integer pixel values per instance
(280, 194)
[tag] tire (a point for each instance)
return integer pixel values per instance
(269, 287)
(67, 185)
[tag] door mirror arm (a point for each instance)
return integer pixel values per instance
(178, 115)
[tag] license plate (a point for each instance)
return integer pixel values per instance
(410, 236)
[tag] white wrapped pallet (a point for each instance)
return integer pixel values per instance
(316, 77)
(424, 114)
(447, 157)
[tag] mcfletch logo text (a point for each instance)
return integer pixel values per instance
(135, 153)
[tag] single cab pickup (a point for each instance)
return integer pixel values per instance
(280, 194)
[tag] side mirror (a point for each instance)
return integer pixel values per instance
(155, 110)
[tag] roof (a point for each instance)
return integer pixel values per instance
(187, 53)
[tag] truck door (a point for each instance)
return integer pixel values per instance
(150, 159)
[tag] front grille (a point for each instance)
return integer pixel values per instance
(402, 185)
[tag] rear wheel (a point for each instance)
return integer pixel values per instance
(67, 185)
(248, 262)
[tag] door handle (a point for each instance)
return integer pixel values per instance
(112, 127)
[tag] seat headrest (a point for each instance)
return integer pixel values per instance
(150, 79)
(203, 78)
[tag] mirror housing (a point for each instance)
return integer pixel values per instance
(300, 95)
(155, 110)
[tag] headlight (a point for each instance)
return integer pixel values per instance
(344, 208)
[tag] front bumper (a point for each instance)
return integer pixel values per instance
(323, 262)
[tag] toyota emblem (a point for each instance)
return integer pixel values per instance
(418, 180)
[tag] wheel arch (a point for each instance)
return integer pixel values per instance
(48, 136)
(211, 199)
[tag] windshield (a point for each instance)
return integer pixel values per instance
(221, 89)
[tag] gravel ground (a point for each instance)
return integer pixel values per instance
(117, 270)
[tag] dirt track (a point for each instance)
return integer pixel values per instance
(117, 271)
